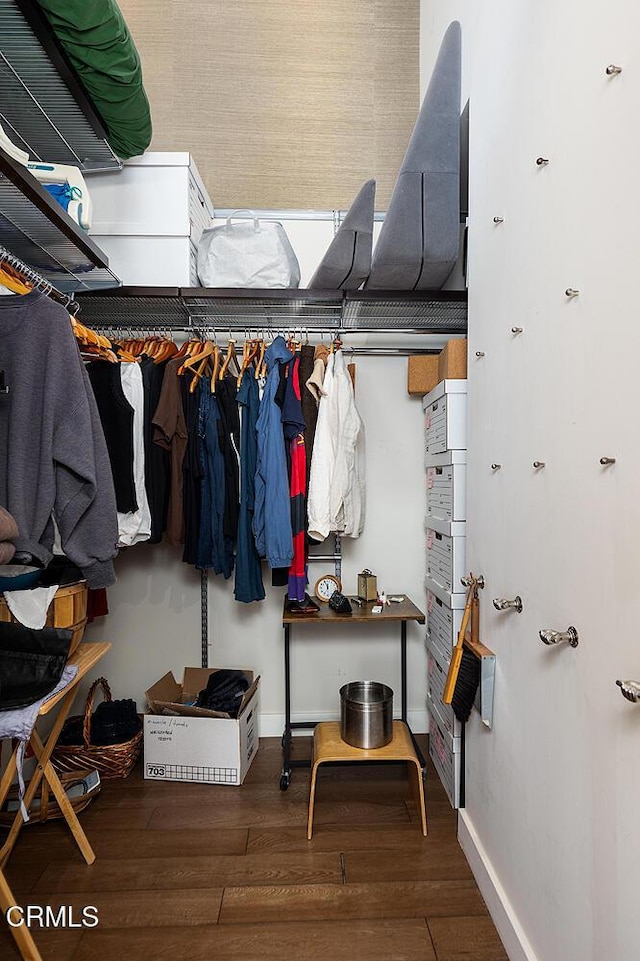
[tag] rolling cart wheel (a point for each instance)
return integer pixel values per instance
(285, 777)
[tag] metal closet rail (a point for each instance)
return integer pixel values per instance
(36, 281)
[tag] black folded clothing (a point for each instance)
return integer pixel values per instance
(60, 571)
(224, 692)
(31, 663)
(307, 606)
(115, 722)
(112, 722)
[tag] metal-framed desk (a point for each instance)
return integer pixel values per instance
(391, 614)
(85, 658)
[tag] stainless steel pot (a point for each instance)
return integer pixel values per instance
(366, 714)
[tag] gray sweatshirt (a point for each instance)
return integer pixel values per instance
(53, 456)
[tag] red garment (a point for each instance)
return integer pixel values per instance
(298, 568)
(298, 490)
(97, 603)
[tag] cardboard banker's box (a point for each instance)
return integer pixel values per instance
(184, 743)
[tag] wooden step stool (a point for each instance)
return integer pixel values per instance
(328, 746)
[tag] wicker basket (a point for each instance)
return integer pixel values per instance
(110, 760)
(68, 609)
(44, 806)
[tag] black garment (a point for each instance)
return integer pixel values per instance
(229, 431)
(224, 691)
(31, 663)
(248, 586)
(293, 422)
(60, 571)
(112, 722)
(157, 462)
(191, 471)
(309, 406)
(116, 417)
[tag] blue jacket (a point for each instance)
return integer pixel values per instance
(272, 512)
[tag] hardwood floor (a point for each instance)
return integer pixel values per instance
(204, 872)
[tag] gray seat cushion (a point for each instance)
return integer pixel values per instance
(347, 262)
(418, 243)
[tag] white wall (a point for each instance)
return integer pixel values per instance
(551, 816)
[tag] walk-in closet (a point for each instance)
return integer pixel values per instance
(317, 522)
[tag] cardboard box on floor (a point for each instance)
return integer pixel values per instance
(425, 371)
(185, 743)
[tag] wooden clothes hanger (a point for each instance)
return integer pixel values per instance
(192, 358)
(231, 356)
(9, 280)
(203, 363)
(250, 353)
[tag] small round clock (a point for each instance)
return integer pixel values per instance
(326, 585)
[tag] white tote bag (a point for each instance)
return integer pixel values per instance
(253, 253)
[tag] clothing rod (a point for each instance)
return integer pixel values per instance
(355, 351)
(30, 276)
(388, 351)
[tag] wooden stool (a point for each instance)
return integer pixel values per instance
(328, 746)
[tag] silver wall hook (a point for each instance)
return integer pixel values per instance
(612, 70)
(542, 161)
(607, 461)
(479, 353)
(496, 466)
(538, 464)
(517, 330)
(571, 292)
(467, 581)
(498, 220)
(502, 604)
(630, 690)
(570, 637)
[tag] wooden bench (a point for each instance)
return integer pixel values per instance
(328, 747)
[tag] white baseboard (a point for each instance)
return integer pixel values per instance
(272, 725)
(515, 941)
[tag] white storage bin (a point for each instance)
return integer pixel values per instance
(455, 600)
(152, 261)
(148, 218)
(446, 480)
(445, 418)
(443, 624)
(445, 559)
(445, 752)
(159, 194)
(437, 668)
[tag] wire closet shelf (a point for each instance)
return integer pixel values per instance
(440, 313)
(44, 107)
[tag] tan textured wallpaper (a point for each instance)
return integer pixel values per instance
(283, 103)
